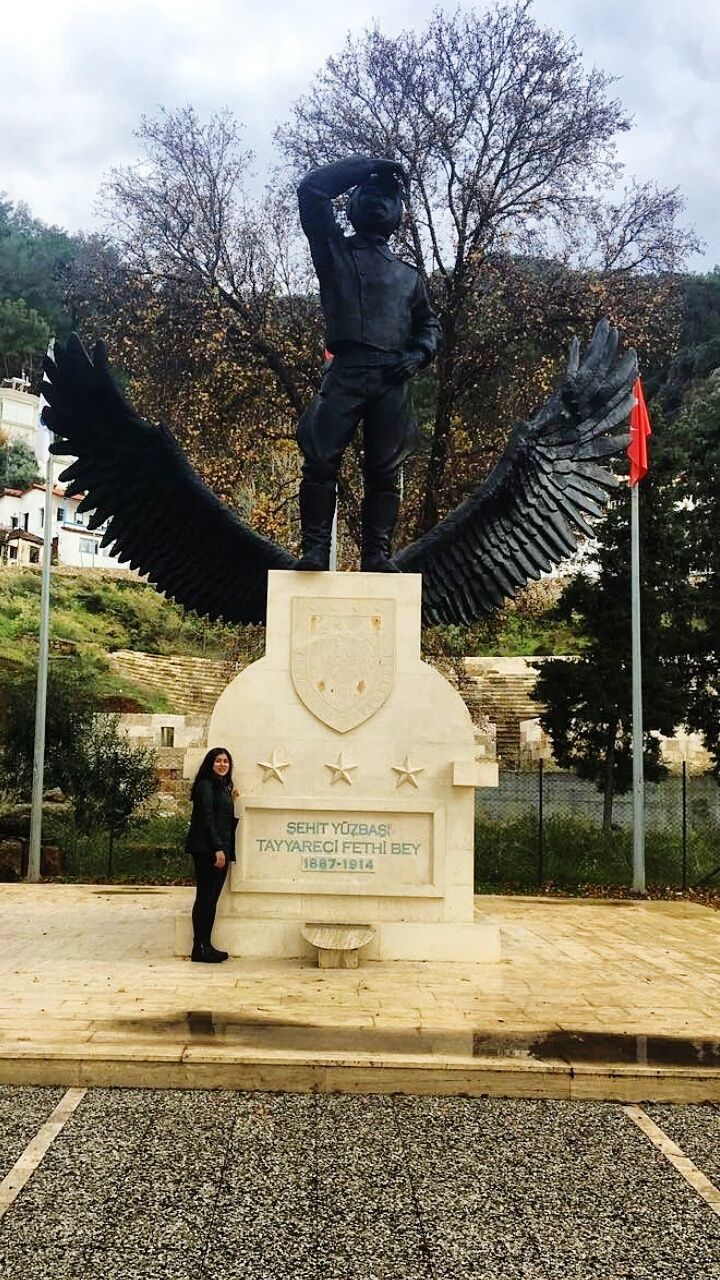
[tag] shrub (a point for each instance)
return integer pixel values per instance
(576, 852)
(152, 853)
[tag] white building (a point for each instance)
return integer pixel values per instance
(22, 512)
(22, 517)
(20, 422)
(18, 413)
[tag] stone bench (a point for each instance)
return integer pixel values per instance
(338, 944)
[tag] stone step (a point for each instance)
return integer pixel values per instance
(190, 685)
(503, 696)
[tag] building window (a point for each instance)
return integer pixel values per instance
(34, 555)
(42, 517)
(26, 521)
(61, 515)
(22, 414)
(12, 553)
(14, 522)
(167, 735)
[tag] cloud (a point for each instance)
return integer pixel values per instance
(77, 77)
(665, 55)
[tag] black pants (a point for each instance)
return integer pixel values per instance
(356, 388)
(209, 880)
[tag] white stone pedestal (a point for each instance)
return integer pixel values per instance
(356, 768)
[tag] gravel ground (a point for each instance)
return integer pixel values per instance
(22, 1112)
(549, 1189)
(149, 1185)
(695, 1129)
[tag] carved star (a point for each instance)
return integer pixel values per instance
(406, 773)
(273, 768)
(340, 770)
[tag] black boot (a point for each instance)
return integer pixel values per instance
(205, 953)
(379, 516)
(317, 508)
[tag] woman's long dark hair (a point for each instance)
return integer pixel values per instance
(206, 771)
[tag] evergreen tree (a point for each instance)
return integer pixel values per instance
(48, 283)
(18, 466)
(72, 701)
(23, 334)
(35, 263)
(588, 700)
(699, 429)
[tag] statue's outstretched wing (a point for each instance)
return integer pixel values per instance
(162, 519)
(528, 514)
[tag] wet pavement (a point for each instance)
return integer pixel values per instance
(204, 1026)
(589, 1000)
(219, 1185)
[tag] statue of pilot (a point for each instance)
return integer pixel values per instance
(380, 330)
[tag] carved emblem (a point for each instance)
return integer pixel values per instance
(343, 658)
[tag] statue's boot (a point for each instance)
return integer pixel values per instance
(379, 516)
(317, 508)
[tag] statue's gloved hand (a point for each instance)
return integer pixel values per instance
(390, 168)
(406, 367)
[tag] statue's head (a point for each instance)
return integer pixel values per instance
(376, 208)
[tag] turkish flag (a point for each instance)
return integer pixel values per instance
(640, 429)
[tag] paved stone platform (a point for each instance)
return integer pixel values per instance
(592, 999)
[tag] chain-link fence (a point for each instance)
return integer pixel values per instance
(543, 825)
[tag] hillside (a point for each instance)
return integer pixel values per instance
(94, 613)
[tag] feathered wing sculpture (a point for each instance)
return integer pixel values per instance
(529, 513)
(165, 522)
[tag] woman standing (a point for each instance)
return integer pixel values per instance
(211, 843)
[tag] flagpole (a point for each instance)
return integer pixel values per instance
(332, 564)
(637, 722)
(34, 851)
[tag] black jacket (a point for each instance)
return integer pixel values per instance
(368, 295)
(213, 821)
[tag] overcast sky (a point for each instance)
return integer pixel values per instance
(78, 74)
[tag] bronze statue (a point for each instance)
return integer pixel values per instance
(380, 329)
(526, 516)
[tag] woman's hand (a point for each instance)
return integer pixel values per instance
(235, 793)
(219, 859)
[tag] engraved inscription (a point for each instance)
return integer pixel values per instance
(387, 850)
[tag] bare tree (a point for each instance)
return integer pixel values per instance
(639, 232)
(181, 217)
(507, 139)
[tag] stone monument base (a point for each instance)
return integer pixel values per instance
(356, 766)
(470, 943)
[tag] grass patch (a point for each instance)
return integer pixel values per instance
(94, 613)
(108, 613)
(523, 636)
